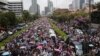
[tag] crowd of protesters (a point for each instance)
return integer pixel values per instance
(79, 31)
(37, 41)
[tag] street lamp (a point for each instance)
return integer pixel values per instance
(89, 8)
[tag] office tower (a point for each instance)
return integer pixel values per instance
(50, 5)
(76, 5)
(82, 3)
(38, 9)
(33, 8)
(16, 7)
(87, 2)
(46, 10)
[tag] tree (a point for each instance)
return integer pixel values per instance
(95, 17)
(11, 18)
(4, 22)
(26, 16)
(98, 6)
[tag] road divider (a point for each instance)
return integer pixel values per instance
(58, 31)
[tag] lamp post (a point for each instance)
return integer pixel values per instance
(90, 11)
(89, 7)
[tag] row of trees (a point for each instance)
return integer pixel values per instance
(67, 16)
(9, 19)
(95, 15)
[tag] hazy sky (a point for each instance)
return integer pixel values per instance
(43, 3)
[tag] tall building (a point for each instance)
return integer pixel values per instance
(46, 10)
(80, 4)
(50, 5)
(34, 7)
(38, 9)
(16, 7)
(71, 7)
(87, 2)
(76, 5)
(3, 6)
(49, 8)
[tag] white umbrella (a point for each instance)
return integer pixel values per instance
(6, 53)
(23, 47)
(31, 42)
(52, 35)
(91, 45)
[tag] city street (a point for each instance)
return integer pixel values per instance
(49, 28)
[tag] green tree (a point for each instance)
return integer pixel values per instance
(98, 6)
(11, 18)
(26, 16)
(4, 22)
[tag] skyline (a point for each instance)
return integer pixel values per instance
(43, 3)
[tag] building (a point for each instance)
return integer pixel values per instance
(61, 11)
(86, 4)
(71, 7)
(46, 10)
(16, 7)
(3, 6)
(50, 7)
(38, 9)
(80, 4)
(34, 7)
(76, 5)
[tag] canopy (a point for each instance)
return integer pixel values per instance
(51, 31)
(23, 47)
(6, 53)
(51, 35)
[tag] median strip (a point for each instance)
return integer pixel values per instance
(59, 31)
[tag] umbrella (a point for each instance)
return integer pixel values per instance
(22, 47)
(91, 45)
(57, 50)
(31, 42)
(39, 47)
(6, 53)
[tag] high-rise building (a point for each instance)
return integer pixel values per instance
(50, 5)
(49, 8)
(3, 6)
(87, 2)
(76, 5)
(71, 7)
(38, 9)
(16, 7)
(33, 8)
(80, 4)
(46, 10)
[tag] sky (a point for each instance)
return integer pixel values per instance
(43, 3)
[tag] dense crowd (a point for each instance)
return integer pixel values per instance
(88, 38)
(37, 41)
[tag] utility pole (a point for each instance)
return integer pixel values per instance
(89, 9)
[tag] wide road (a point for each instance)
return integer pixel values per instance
(38, 41)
